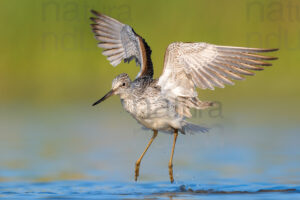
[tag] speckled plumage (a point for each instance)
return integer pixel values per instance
(143, 99)
(149, 107)
(154, 103)
(163, 104)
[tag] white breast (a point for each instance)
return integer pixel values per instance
(155, 118)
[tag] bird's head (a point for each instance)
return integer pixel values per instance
(120, 86)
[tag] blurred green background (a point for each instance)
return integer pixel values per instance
(49, 56)
(51, 70)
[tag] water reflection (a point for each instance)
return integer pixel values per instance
(71, 144)
(153, 190)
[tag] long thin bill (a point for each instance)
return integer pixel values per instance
(110, 93)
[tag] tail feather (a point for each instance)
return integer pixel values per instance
(193, 128)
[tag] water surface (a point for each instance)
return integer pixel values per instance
(90, 154)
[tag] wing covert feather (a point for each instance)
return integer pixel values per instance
(120, 42)
(188, 66)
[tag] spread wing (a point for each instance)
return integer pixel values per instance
(206, 66)
(120, 42)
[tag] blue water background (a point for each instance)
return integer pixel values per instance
(90, 154)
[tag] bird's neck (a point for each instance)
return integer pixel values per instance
(124, 96)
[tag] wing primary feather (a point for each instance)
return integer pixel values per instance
(206, 66)
(107, 24)
(220, 69)
(101, 33)
(247, 55)
(229, 64)
(202, 78)
(219, 76)
(121, 42)
(244, 49)
(209, 79)
(105, 30)
(107, 19)
(199, 82)
(111, 52)
(245, 60)
(241, 65)
(110, 23)
(212, 81)
(109, 45)
(216, 80)
(115, 57)
(106, 39)
(99, 22)
(116, 62)
(233, 67)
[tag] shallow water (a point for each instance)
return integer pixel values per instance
(151, 190)
(67, 154)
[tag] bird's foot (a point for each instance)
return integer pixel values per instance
(171, 173)
(136, 171)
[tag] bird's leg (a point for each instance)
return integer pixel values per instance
(171, 158)
(138, 162)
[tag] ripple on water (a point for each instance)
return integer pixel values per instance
(150, 190)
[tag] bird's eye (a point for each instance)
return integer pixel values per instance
(123, 84)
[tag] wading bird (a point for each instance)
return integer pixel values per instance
(163, 104)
